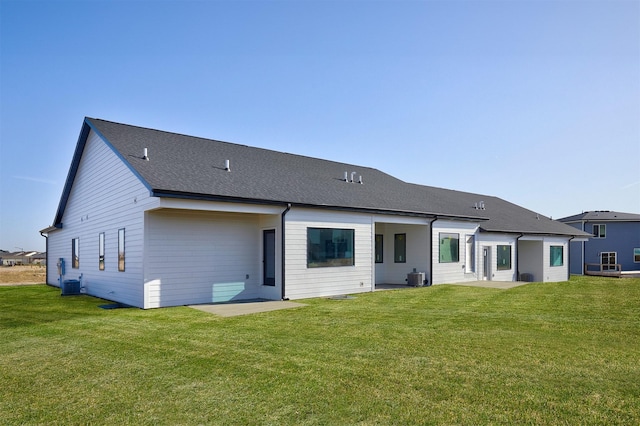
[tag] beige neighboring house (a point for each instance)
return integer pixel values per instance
(22, 258)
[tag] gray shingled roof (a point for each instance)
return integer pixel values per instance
(602, 215)
(192, 167)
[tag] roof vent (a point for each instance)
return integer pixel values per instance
(352, 175)
(227, 165)
(146, 155)
(360, 180)
(346, 176)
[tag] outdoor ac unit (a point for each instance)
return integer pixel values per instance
(526, 277)
(416, 279)
(70, 287)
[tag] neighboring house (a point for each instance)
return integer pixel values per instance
(615, 241)
(22, 258)
(151, 219)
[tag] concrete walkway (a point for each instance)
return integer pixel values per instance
(232, 309)
(244, 308)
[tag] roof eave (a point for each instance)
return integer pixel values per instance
(370, 210)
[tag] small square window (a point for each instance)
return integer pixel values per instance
(556, 255)
(636, 255)
(599, 231)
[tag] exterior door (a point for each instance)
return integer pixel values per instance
(608, 261)
(269, 257)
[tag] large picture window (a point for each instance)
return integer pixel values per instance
(379, 248)
(121, 250)
(449, 247)
(400, 248)
(504, 258)
(329, 247)
(75, 253)
(556, 255)
(101, 251)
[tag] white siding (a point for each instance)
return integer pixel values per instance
(105, 196)
(302, 282)
(530, 258)
(492, 241)
(452, 272)
(417, 253)
(203, 257)
(555, 273)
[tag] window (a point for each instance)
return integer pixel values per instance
(400, 248)
(75, 253)
(101, 251)
(599, 231)
(470, 261)
(556, 254)
(608, 261)
(504, 258)
(449, 250)
(121, 249)
(636, 255)
(379, 248)
(329, 247)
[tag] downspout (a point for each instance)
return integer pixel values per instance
(282, 242)
(582, 267)
(430, 279)
(518, 257)
(46, 258)
(569, 257)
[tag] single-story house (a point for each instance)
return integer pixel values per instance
(22, 258)
(152, 219)
(613, 247)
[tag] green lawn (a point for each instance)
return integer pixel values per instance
(562, 353)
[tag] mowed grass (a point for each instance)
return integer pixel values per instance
(561, 353)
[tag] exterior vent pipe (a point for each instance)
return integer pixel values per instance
(227, 165)
(352, 175)
(360, 180)
(145, 156)
(346, 176)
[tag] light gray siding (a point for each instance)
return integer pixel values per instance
(452, 272)
(203, 257)
(492, 241)
(555, 273)
(105, 197)
(417, 252)
(303, 282)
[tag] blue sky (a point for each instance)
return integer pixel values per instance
(536, 102)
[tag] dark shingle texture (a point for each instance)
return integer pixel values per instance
(602, 215)
(194, 167)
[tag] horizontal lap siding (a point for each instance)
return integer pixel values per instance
(105, 197)
(417, 252)
(201, 257)
(452, 272)
(303, 282)
(493, 241)
(555, 273)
